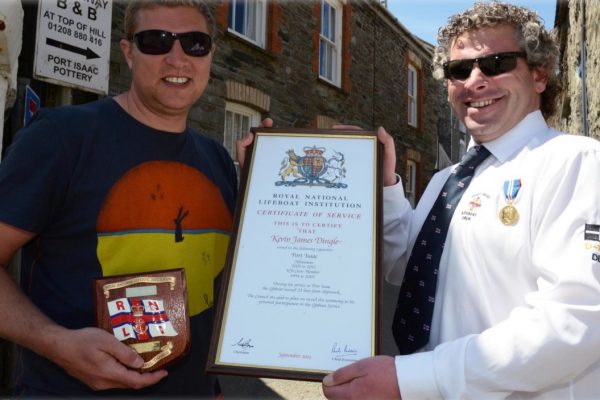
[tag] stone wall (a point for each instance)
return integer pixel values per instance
(570, 27)
(374, 87)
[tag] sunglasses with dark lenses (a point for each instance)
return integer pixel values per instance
(155, 41)
(492, 65)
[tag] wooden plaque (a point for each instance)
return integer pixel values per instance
(147, 311)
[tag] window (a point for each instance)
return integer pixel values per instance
(411, 182)
(247, 18)
(462, 148)
(463, 141)
(413, 86)
(330, 42)
(238, 121)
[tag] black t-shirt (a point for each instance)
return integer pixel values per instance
(108, 195)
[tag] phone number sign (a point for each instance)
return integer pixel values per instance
(73, 43)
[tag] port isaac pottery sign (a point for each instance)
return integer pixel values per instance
(73, 43)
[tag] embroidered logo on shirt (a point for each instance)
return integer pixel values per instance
(475, 203)
(592, 232)
(589, 246)
(472, 206)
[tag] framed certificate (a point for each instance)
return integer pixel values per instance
(301, 288)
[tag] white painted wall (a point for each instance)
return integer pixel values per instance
(11, 37)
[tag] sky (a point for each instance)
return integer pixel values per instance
(424, 17)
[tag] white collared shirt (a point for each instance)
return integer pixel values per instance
(517, 308)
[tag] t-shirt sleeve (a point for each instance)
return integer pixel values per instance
(34, 175)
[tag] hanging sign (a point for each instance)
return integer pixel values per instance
(73, 43)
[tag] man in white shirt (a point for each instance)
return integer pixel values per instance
(517, 307)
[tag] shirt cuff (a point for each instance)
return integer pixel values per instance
(393, 201)
(416, 376)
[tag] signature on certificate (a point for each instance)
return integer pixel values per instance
(244, 344)
(345, 350)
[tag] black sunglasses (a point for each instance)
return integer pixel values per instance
(155, 41)
(492, 65)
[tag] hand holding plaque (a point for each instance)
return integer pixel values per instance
(148, 312)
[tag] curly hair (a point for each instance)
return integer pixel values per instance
(133, 7)
(539, 44)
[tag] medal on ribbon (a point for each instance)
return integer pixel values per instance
(509, 214)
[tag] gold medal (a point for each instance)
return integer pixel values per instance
(509, 215)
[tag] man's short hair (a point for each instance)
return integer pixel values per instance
(134, 6)
(539, 44)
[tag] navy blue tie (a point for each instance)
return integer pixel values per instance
(412, 320)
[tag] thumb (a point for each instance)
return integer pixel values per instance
(328, 380)
(127, 356)
(266, 123)
(342, 375)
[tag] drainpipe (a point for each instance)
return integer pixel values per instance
(583, 62)
(11, 33)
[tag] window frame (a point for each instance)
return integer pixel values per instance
(410, 189)
(229, 138)
(412, 89)
(330, 62)
(259, 19)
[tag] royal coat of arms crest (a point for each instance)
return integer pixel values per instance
(313, 168)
